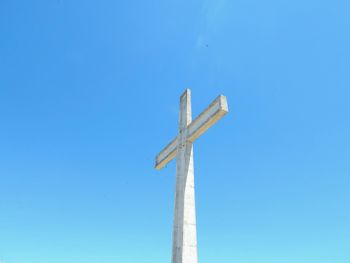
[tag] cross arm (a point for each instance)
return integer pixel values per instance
(167, 154)
(215, 111)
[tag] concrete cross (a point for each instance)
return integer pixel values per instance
(184, 229)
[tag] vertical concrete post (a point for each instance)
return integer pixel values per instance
(184, 232)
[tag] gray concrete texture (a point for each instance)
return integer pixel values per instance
(184, 249)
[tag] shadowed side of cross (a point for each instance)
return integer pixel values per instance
(213, 113)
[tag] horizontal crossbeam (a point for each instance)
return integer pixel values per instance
(214, 112)
(167, 154)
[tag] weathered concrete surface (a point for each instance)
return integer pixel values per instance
(214, 112)
(184, 230)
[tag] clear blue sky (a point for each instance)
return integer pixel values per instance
(89, 94)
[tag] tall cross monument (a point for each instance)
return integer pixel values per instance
(184, 229)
